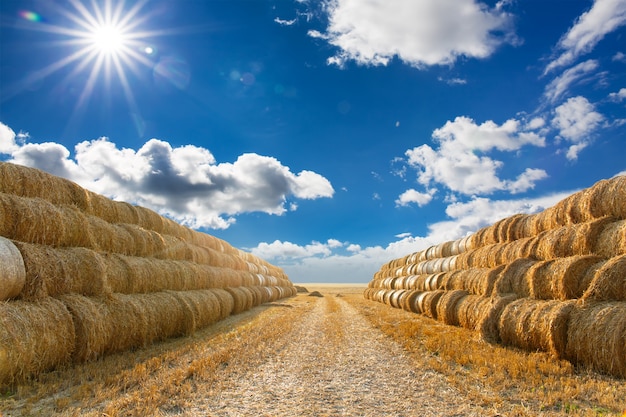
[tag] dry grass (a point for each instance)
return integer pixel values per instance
(522, 382)
(160, 379)
(168, 378)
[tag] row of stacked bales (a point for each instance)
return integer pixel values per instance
(82, 276)
(553, 281)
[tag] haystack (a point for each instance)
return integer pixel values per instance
(447, 306)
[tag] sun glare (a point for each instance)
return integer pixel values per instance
(108, 39)
(105, 39)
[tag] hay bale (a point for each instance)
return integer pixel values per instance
(55, 271)
(611, 241)
(12, 270)
(514, 278)
(576, 239)
(427, 302)
(30, 182)
(609, 282)
(240, 298)
(34, 337)
(410, 301)
(226, 301)
(536, 325)
(471, 309)
(597, 337)
(563, 278)
(481, 281)
(489, 316)
(397, 298)
(92, 326)
(447, 306)
(608, 198)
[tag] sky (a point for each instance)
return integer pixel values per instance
(329, 136)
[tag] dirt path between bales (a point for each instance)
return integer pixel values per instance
(335, 363)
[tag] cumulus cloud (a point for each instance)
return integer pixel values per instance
(185, 182)
(351, 262)
(576, 120)
(461, 162)
(413, 196)
(420, 33)
(591, 27)
(560, 85)
(619, 96)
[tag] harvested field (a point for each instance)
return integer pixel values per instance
(321, 356)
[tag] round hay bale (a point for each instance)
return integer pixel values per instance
(471, 309)
(107, 237)
(454, 280)
(611, 241)
(447, 306)
(227, 302)
(481, 281)
(607, 198)
(536, 325)
(12, 270)
(563, 278)
(34, 337)
(397, 298)
(75, 226)
(596, 337)
(410, 301)
(92, 326)
(576, 239)
(514, 278)
(609, 282)
(129, 324)
(490, 312)
(37, 221)
(428, 302)
(240, 299)
(149, 219)
(52, 272)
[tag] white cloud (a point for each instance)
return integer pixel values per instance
(318, 262)
(576, 120)
(185, 182)
(604, 17)
(560, 85)
(461, 163)
(413, 196)
(619, 96)
(285, 22)
(7, 139)
(619, 57)
(420, 33)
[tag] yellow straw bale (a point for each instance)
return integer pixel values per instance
(609, 282)
(149, 219)
(410, 301)
(447, 306)
(576, 239)
(55, 271)
(563, 278)
(226, 301)
(34, 337)
(612, 240)
(536, 325)
(514, 278)
(489, 316)
(12, 270)
(428, 302)
(30, 182)
(608, 198)
(92, 326)
(471, 309)
(107, 237)
(597, 337)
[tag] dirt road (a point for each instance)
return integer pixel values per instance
(335, 364)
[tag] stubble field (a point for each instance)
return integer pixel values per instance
(336, 355)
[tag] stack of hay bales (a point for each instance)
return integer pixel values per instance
(553, 281)
(82, 276)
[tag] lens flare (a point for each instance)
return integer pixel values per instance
(30, 16)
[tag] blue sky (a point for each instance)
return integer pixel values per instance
(327, 137)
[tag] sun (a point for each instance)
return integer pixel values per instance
(108, 39)
(105, 39)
